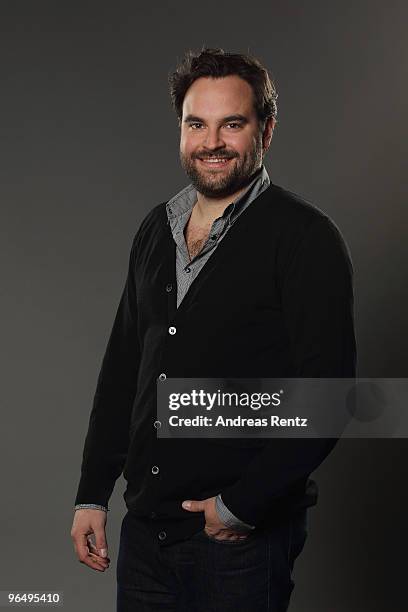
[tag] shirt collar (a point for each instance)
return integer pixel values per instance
(185, 199)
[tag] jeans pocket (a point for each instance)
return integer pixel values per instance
(225, 541)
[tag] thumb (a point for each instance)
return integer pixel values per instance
(100, 541)
(193, 505)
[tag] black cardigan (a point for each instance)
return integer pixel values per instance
(280, 307)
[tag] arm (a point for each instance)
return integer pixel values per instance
(107, 439)
(317, 305)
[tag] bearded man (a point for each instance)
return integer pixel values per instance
(234, 276)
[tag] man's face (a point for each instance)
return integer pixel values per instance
(221, 144)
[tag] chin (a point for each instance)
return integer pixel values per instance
(211, 192)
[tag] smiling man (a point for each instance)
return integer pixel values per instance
(235, 277)
(220, 151)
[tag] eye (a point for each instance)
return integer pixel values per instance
(195, 124)
(234, 124)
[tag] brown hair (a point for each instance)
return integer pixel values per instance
(216, 63)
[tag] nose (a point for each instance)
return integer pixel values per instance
(213, 139)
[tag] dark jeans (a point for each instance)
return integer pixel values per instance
(202, 574)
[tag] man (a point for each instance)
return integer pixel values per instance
(236, 277)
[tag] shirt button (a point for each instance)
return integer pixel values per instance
(172, 330)
(214, 237)
(157, 424)
(162, 535)
(188, 270)
(155, 469)
(162, 376)
(169, 287)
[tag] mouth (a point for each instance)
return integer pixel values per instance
(215, 162)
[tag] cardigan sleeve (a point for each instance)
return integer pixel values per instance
(317, 308)
(107, 439)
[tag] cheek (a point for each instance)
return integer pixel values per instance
(240, 143)
(187, 144)
(182, 143)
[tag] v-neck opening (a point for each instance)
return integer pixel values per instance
(239, 228)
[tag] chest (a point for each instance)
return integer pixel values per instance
(236, 283)
(196, 236)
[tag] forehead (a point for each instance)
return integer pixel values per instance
(209, 97)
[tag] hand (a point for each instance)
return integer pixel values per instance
(89, 521)
(213, 525)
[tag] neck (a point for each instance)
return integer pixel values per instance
(207, 209)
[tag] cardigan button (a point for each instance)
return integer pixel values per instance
(162, 535)
(172, 330)
(157, 424)
(169, 287)
(162, 376)
(155, 469)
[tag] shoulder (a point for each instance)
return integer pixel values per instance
(157, 215)
(302, 227)
(289, 207)
(154, 220)
(297, 215)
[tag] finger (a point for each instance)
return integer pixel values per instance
(96, 559)
(226, 535)
(84, 555)
(92, 559)
(233, 537)
(240, 536)
(100, 541)
(93, 563)
(95, 552)
(193, 505)
(81, 547)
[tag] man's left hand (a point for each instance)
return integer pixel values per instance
(213, 525)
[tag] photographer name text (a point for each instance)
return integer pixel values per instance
(204, 421)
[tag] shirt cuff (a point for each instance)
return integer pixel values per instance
(229, 519)
(94, 506)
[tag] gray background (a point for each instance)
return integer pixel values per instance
(89, 144)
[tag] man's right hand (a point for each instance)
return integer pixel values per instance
(88, 521)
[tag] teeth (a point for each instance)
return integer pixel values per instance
(215, 160)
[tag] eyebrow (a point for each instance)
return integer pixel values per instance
(229, 118)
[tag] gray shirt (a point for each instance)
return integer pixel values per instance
(179, 209)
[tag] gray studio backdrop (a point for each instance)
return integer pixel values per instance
(89, 144)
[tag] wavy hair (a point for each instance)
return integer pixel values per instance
(216, 63)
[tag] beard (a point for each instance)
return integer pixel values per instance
(221, 184)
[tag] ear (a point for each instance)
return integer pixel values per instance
(267, 133)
